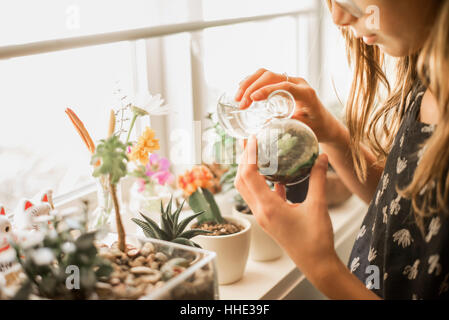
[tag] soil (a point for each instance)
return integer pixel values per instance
(243, 209)
(219, 229)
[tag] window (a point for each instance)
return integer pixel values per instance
(39, 147)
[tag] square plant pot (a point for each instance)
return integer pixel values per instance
(198, 281)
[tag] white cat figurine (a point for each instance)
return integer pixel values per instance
(25, 217)
(9, 268)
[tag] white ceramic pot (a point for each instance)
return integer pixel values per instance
(232, 251)
(263, 247)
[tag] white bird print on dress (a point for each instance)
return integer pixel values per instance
(384, 211)
(434, 265)
(444, 285)
(401, 142)
(411, 271)
(385, 181)
(395, 206)
(403, 238)
(434, 228)
(361, 233)
(372, 254)
(401, 165)
(428, 129)
(355, 264)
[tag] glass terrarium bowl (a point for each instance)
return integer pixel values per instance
(287, 150)
(196, 282)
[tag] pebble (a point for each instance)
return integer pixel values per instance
(141, 270)
(161, 257)
(132, 253)
(147, 249)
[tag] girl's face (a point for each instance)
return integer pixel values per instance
(398, 27)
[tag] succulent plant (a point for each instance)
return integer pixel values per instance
(171, 229)
(48, 264)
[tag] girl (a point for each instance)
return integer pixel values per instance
(394, 155)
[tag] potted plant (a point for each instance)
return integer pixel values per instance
(229, 237)
(68, 262)
(263, 247)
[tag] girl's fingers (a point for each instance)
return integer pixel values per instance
(268, 78)
(247, 82)
(280, 190)
(317, 184)
(263, 92)
(254, 181)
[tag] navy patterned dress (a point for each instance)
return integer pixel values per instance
(391, 256)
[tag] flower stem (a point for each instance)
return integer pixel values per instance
(118, 219)
(133, 121)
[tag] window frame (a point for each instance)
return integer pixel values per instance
(148, 45)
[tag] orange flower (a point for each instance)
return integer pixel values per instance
(146, 144)
(198, 177)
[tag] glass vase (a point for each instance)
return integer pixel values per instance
(104, 214)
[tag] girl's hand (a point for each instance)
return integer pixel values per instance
(303, 230)
(309, 108)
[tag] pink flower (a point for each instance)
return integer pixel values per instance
(163, 177)
(141, 183)
(158, 168)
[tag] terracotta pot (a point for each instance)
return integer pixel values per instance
(336, 191)
(263, 247)
(232, 251)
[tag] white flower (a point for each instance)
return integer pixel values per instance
(355, 264)
(395, 206)
(434, 266)
(403, 238)
(43, 256)
(401, 165)
(146, 104)
(411, 271)
(434, 228)
(68, 247)
(361, 232)
(372, 254)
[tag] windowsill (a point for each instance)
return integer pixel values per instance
(273, 280)
(277, 279)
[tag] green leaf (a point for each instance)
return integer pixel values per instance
(202, 199)
(186, 221)
(24, 292)
(176, 215)
(161, 233)
(85, 241)
(104, 271)
(193, 233)
(186, 242)
(147, 229)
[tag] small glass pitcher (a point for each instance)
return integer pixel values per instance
(242, 124)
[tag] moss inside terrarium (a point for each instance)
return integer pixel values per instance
(287, 150)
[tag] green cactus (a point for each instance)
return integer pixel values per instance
(203, 199)
(170, 229)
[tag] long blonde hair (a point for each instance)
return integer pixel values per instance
(375, 124)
